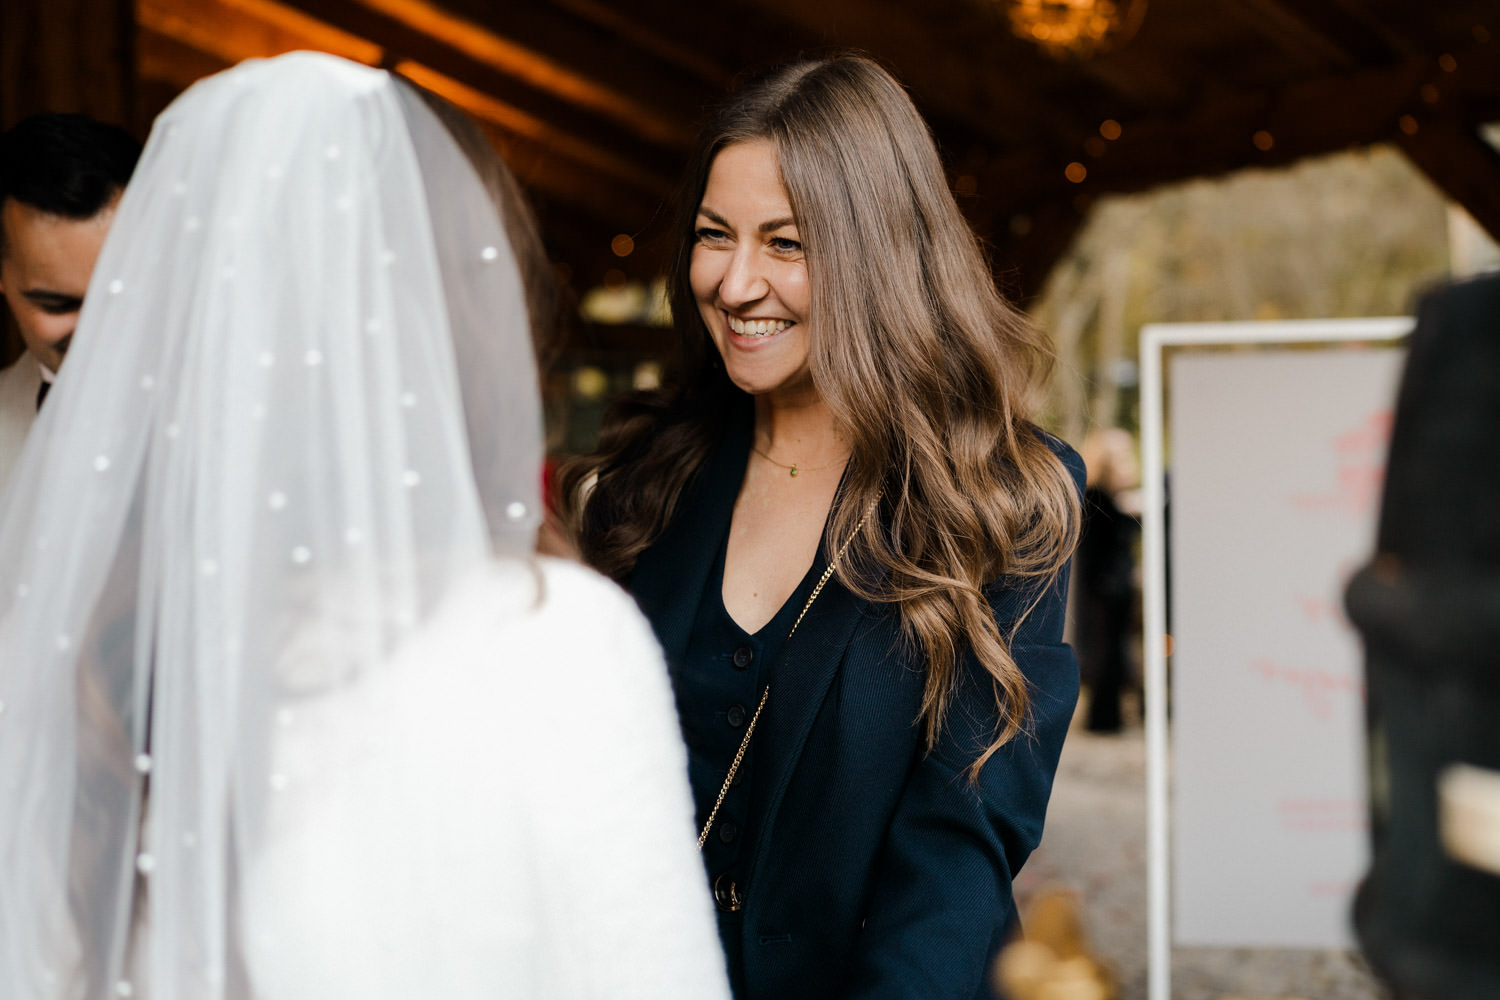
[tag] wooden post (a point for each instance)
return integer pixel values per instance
(68, 55)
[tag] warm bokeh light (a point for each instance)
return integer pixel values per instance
(1076, 27)
(622, 245)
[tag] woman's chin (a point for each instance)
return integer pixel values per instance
(787, 385)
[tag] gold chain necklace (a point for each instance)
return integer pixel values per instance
(739, 755)
(794, 468)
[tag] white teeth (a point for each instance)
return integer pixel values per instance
(758, 327)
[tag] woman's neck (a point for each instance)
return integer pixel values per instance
(800, 430)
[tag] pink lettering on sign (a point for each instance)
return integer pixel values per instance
(1323, 609)
(1359, 456)
(1319, 689)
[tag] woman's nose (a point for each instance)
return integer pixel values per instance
(744, 279)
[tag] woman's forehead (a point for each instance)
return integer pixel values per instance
(744, 185)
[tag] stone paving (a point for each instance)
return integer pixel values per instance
(1095, 845)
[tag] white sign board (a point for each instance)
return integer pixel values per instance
(1275, 475)
(1276, 465)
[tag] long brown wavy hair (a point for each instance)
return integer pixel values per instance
(929, 373)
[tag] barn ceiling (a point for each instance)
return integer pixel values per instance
(594, 102)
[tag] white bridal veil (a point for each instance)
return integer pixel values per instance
(301, 405)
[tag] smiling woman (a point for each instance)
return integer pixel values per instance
(840, 497)
(749, 273)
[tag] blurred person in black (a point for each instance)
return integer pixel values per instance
(1104, 570)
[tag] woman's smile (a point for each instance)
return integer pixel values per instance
(757, 328)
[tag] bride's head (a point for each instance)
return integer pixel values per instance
(302, 391)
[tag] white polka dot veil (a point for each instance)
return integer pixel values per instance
(300, 406)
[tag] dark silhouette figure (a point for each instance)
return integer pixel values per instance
(1104, 577)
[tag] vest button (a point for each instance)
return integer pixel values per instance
(727, 895)
(742, 657)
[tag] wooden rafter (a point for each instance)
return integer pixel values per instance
(538, 46)
(1290, 30)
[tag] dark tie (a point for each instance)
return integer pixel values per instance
(41, 393)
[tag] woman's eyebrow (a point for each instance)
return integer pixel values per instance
(769, 226)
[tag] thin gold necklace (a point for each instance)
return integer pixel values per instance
(794, 468)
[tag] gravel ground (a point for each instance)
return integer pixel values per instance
(1095, 845)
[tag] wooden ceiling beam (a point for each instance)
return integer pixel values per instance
(644, 24)
(1291, 32)
(230, 31)
(544, 48)
(651, 173)
(556, 171)
(650, 144)
(1456, 158)
(1365, 29)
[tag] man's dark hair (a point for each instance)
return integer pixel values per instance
(67, 165)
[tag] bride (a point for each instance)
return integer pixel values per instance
(288, 707)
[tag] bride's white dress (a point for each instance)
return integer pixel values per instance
(502, 812)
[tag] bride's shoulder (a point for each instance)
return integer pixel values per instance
(574, 578)
(568, 603)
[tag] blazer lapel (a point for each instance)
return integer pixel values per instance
(809, 662)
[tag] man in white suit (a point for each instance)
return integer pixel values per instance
(60, 179)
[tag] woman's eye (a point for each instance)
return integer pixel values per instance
(782, 244)
(710, 235)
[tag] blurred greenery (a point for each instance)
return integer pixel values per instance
(1361, 233)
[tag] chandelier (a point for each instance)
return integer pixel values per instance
(1076, 27)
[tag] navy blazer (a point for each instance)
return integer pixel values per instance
(878, 871)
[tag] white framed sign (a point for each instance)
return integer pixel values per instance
(1277, 435)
